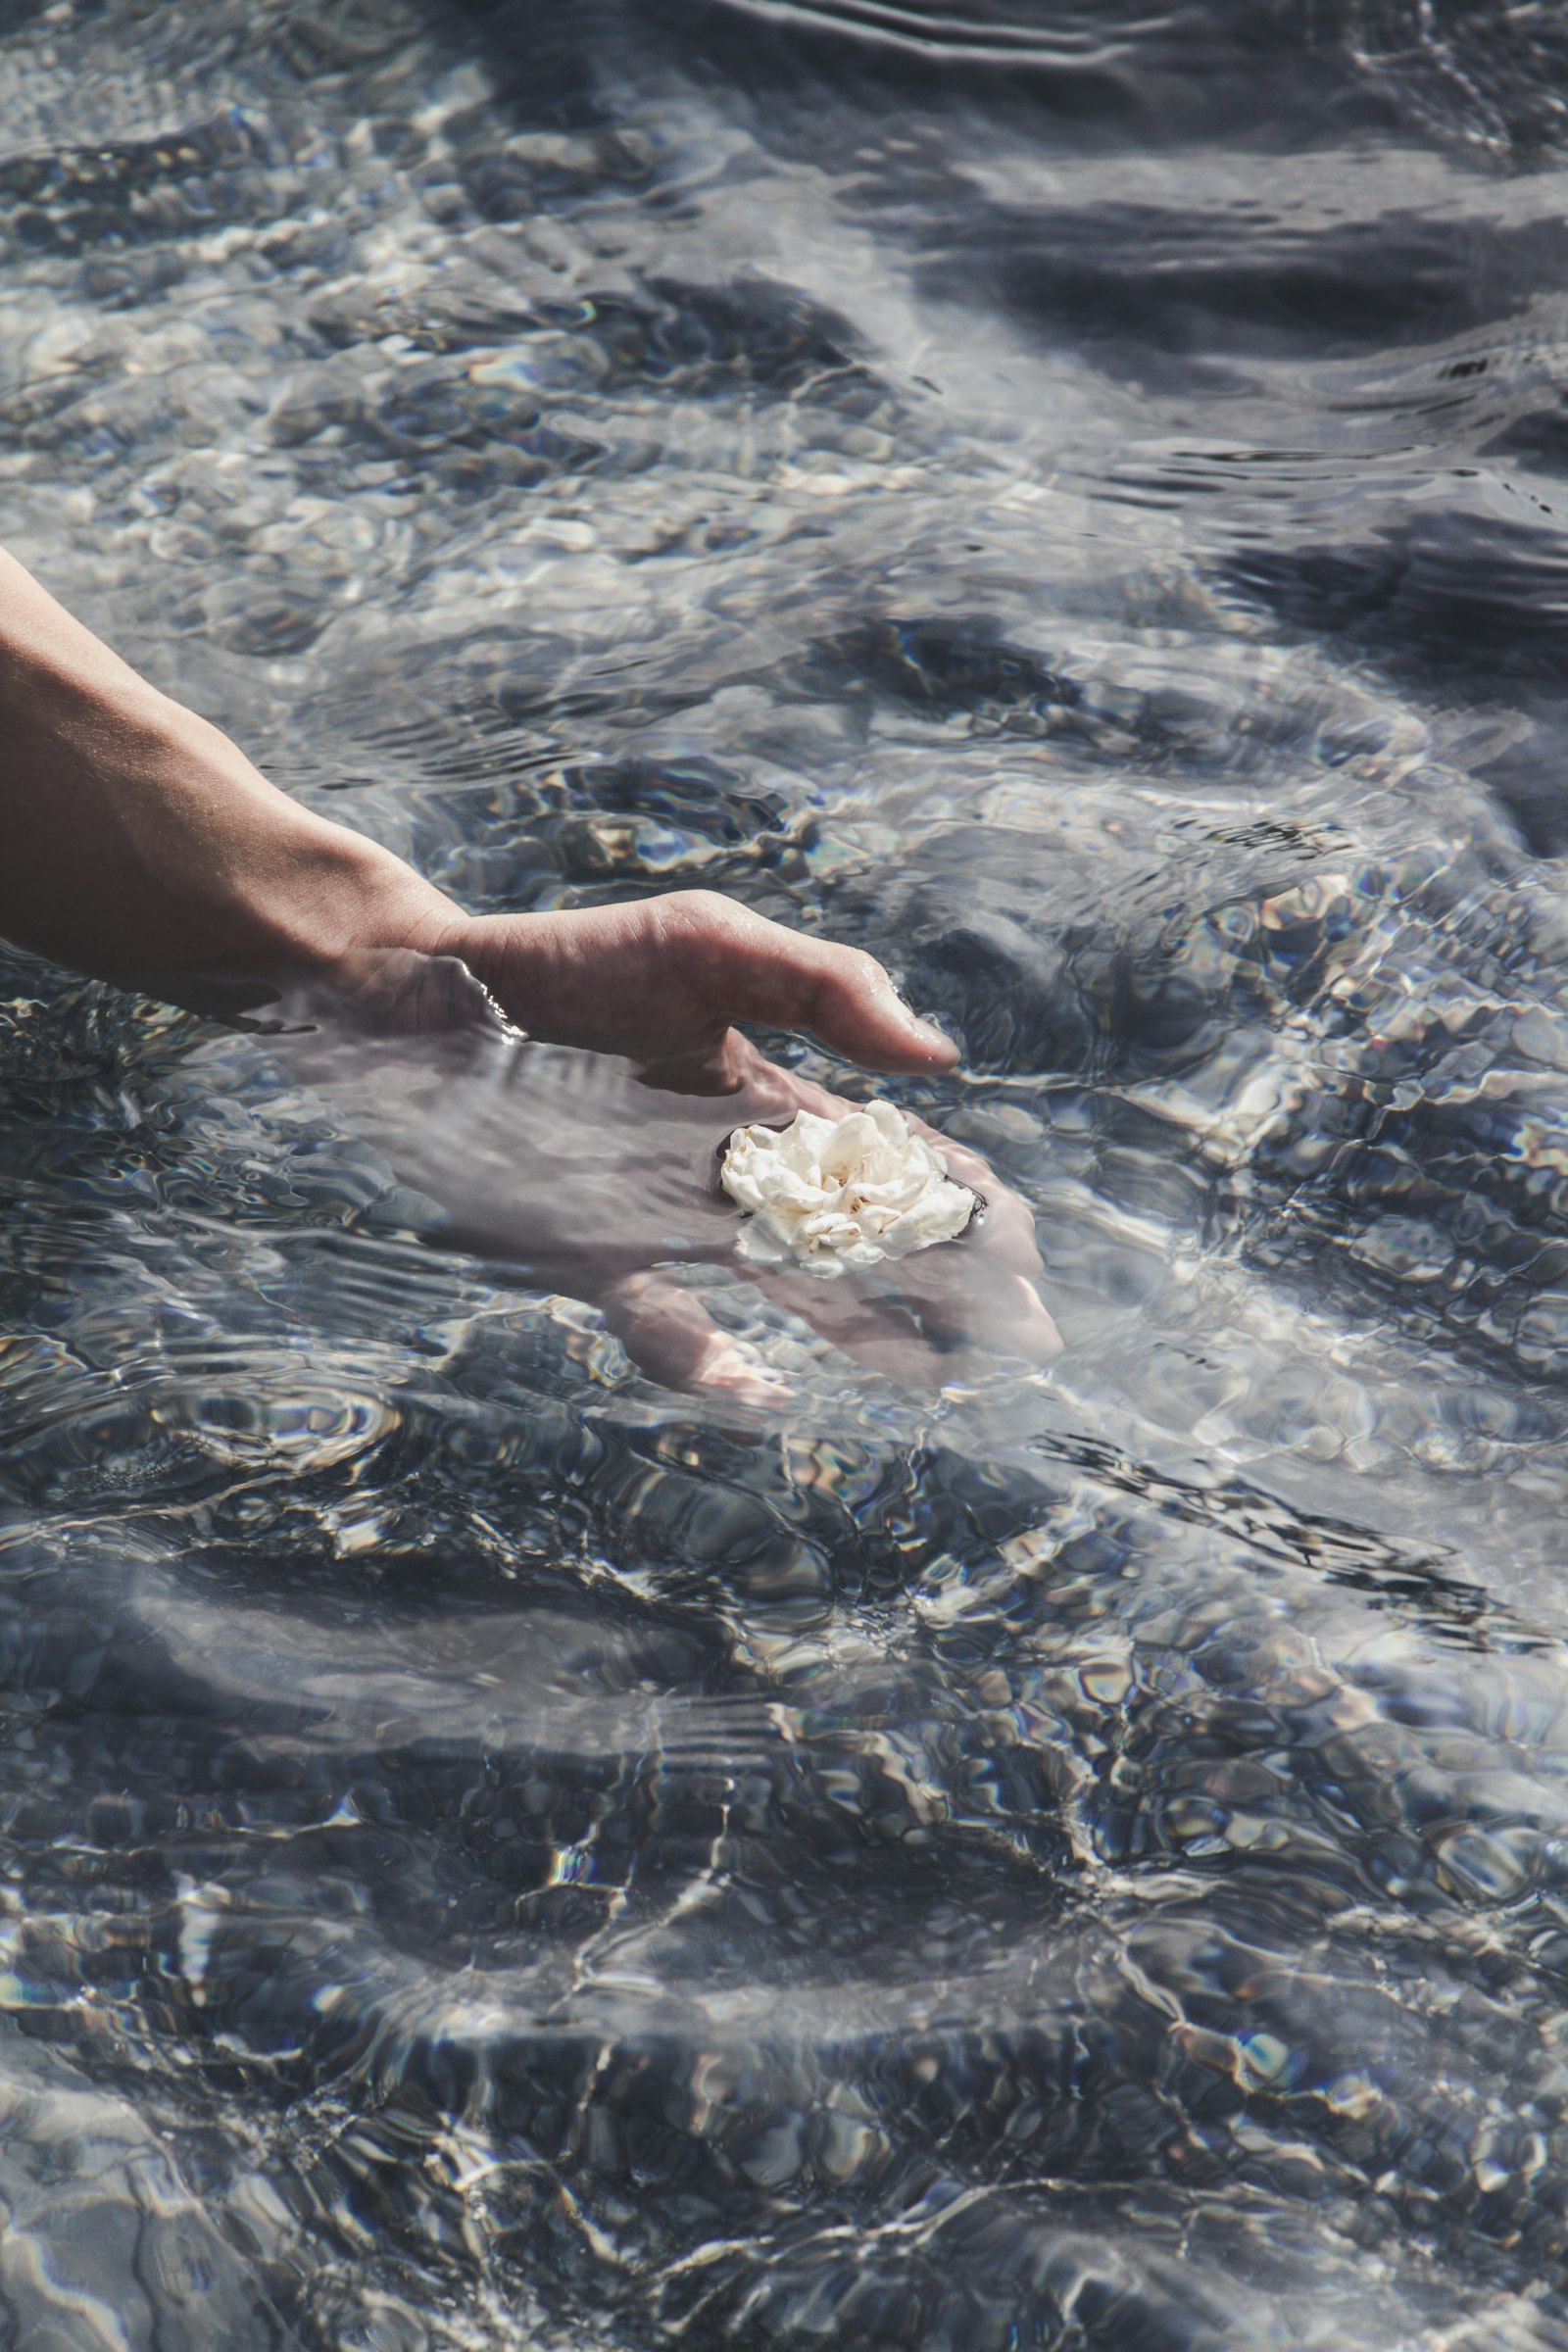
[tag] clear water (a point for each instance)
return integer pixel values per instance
(498, 1853)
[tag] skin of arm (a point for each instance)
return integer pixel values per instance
(141, 845)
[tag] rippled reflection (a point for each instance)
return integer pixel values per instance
(499, 1846)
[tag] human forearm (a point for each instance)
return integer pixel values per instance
(141, 845)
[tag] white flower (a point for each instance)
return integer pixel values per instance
(827, 1195)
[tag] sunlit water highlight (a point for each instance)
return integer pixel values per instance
(498, 1853)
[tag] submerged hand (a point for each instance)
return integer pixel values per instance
(639, 1194)
(606, 1187)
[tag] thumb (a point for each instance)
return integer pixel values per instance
(857, 1011)
(792, 980)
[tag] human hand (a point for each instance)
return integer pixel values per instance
(606, 1187)
(662, 981)
(144, 847)
(141, 845)
(625, 1190)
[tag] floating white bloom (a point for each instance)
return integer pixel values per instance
(831, 1195)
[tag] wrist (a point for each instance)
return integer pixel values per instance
(182, 859)
(142, 846)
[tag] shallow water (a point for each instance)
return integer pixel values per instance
(498, 1853)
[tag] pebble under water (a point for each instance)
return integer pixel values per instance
(498, 1853)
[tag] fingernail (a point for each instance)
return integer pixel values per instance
(927, 1030)
(917, 1020)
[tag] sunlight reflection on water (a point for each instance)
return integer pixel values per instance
(496, 1849)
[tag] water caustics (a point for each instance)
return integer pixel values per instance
(500, 1851)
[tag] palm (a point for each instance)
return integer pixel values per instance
(603, 1184)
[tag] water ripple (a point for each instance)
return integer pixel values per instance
(492, 1850)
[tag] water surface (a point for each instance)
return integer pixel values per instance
(500, 1852)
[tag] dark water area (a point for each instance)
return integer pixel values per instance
(498, 1853)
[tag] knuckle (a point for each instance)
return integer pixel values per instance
(690, 905)
(855, 965)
